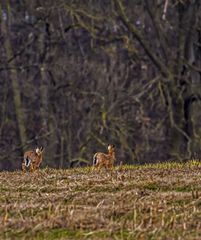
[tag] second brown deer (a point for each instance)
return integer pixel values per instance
(32, 159)
(105, 159)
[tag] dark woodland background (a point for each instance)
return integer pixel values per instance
(76, 75)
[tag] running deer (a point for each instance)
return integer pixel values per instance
(105, 160)
(32, 159)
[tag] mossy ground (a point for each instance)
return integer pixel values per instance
(156, 201)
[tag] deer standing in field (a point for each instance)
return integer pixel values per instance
(32, 159)
(105, 159)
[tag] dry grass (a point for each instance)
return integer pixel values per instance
(160, 201)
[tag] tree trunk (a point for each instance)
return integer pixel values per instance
(14, 78)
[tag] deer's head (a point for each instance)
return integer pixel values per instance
(39, 151)
(111, 147)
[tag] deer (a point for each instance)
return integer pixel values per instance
(32, 159)
(105, 159)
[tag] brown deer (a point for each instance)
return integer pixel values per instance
(32, 159)
(105, 160)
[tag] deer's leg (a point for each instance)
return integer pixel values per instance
(110, 165)
(37, 168)
(103, 164)
(94, 167)
(31, 168)
(99, 165)
(107, 166)
(37, 165)
(23, 167)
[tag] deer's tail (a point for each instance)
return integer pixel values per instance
(95, 159)
(27, 161)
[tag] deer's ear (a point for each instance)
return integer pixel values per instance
(113, 145)
(41, 148)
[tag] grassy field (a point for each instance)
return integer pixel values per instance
(161, 201)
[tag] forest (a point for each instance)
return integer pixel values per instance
(76, 75)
